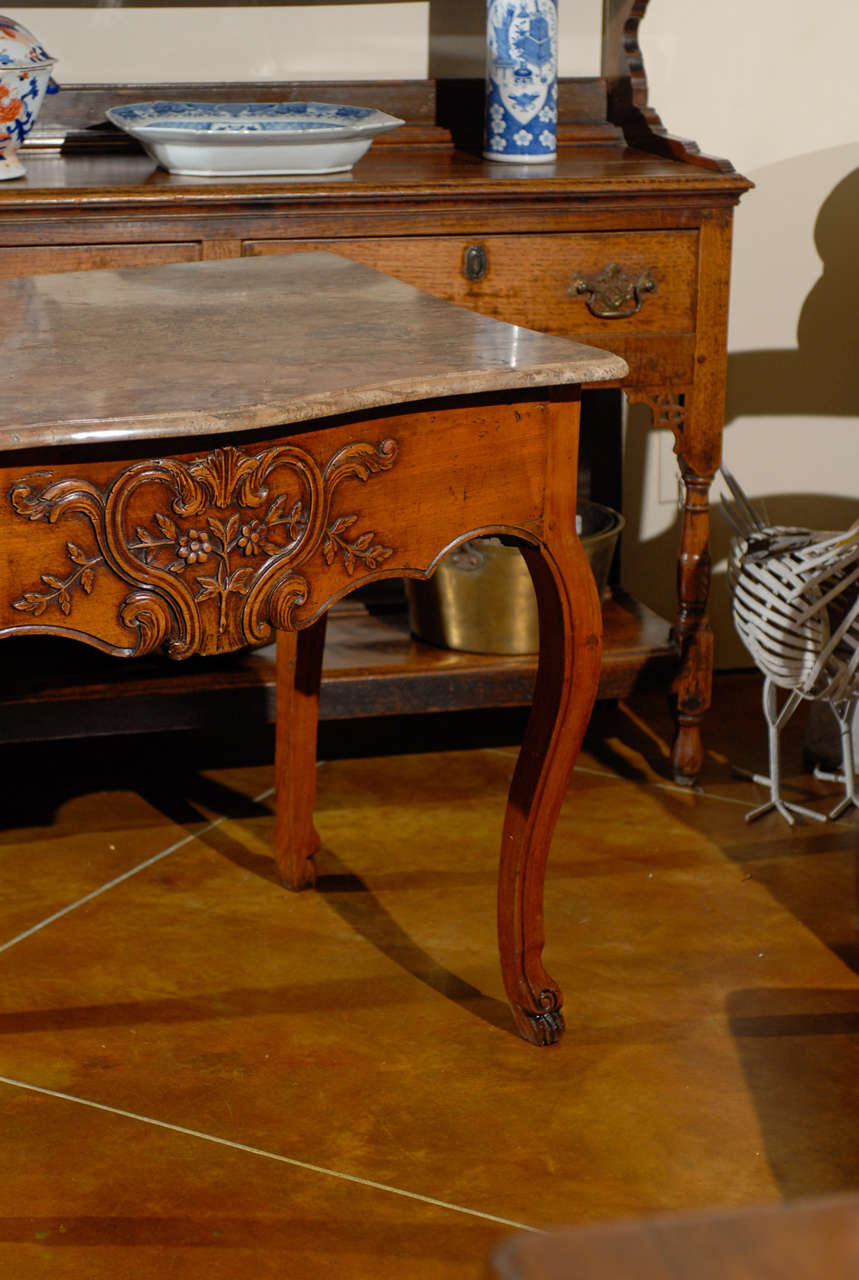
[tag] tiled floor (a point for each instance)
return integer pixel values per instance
(206, 1076)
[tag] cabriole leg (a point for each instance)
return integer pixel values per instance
(570, 648)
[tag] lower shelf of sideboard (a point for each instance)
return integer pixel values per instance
(373, 667)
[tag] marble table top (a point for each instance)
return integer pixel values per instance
(209, 347)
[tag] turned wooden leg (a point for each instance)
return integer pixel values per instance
(567, 677)
(299, 669)
(694, 680)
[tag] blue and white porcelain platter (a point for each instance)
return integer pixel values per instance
(244, 139)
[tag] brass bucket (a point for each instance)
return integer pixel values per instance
(481, 599)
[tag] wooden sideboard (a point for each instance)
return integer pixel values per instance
(624, 243)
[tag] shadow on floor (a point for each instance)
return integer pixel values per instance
(811, 869)
(402, 1240)
(167, 768)
(800, 1054)
(356, 904)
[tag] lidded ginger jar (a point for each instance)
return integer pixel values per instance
(25, 76)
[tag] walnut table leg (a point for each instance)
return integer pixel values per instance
(299, 668)
(567, 678)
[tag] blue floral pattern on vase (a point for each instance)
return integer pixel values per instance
(521, 80)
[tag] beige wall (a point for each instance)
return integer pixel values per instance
(257, 42)
(119, 40)
(775, 90)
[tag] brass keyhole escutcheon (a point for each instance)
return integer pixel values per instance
(475, 262)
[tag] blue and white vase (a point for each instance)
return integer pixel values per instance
(521, 80)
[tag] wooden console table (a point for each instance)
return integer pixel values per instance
(223, 449)
(624, 243)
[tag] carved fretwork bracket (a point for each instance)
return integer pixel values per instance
(668, 410)
(211, 548)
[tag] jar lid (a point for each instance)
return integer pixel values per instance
(19, 48)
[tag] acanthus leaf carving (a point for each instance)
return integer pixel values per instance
(232, 538)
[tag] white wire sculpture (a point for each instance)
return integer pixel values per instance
(795, 603)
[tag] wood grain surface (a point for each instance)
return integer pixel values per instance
(222, 450)
(622, 196)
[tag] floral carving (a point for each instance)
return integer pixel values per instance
(362, 550)
(60, 590)
(222, 535)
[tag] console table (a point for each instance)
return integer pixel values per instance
(623, 243)
(224, 449)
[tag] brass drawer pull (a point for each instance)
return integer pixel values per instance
(609, 294)
(474, 262)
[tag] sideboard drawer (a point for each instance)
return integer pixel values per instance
(39, 259)
(607, 283)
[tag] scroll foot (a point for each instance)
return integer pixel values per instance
(539, 1027)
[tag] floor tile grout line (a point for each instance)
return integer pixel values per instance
(663, 786)
(267, 1155)
(126, 875)
(690, 791)
(644, 782)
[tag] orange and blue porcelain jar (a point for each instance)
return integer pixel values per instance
(521, 81)
(25, 78)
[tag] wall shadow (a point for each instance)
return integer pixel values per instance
(457, 41)
(813, 510)
(821, 376)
